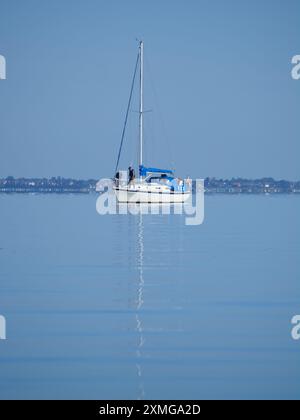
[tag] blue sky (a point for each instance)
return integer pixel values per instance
(217, 81)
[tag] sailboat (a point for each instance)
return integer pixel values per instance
(152, 185)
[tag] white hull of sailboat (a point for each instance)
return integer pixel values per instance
(127, 196)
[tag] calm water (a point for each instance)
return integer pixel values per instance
(136, 307)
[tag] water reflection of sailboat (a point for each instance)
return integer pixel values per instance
(139, 305)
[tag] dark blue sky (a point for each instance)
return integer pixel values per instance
(217, 79)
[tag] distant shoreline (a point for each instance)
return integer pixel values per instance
(59, 185)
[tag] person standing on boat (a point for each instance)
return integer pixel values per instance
(131, 174)
(117, 178)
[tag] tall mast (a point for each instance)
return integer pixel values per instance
(141, 101)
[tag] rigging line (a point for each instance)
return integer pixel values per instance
(127, 111)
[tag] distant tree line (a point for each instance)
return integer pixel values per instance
(251, 186)
(212, 185)
(47, 185)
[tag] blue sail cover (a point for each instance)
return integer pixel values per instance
(144, 171)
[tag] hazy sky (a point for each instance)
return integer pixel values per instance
(217, 81)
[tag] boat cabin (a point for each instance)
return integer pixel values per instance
(163, 177)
